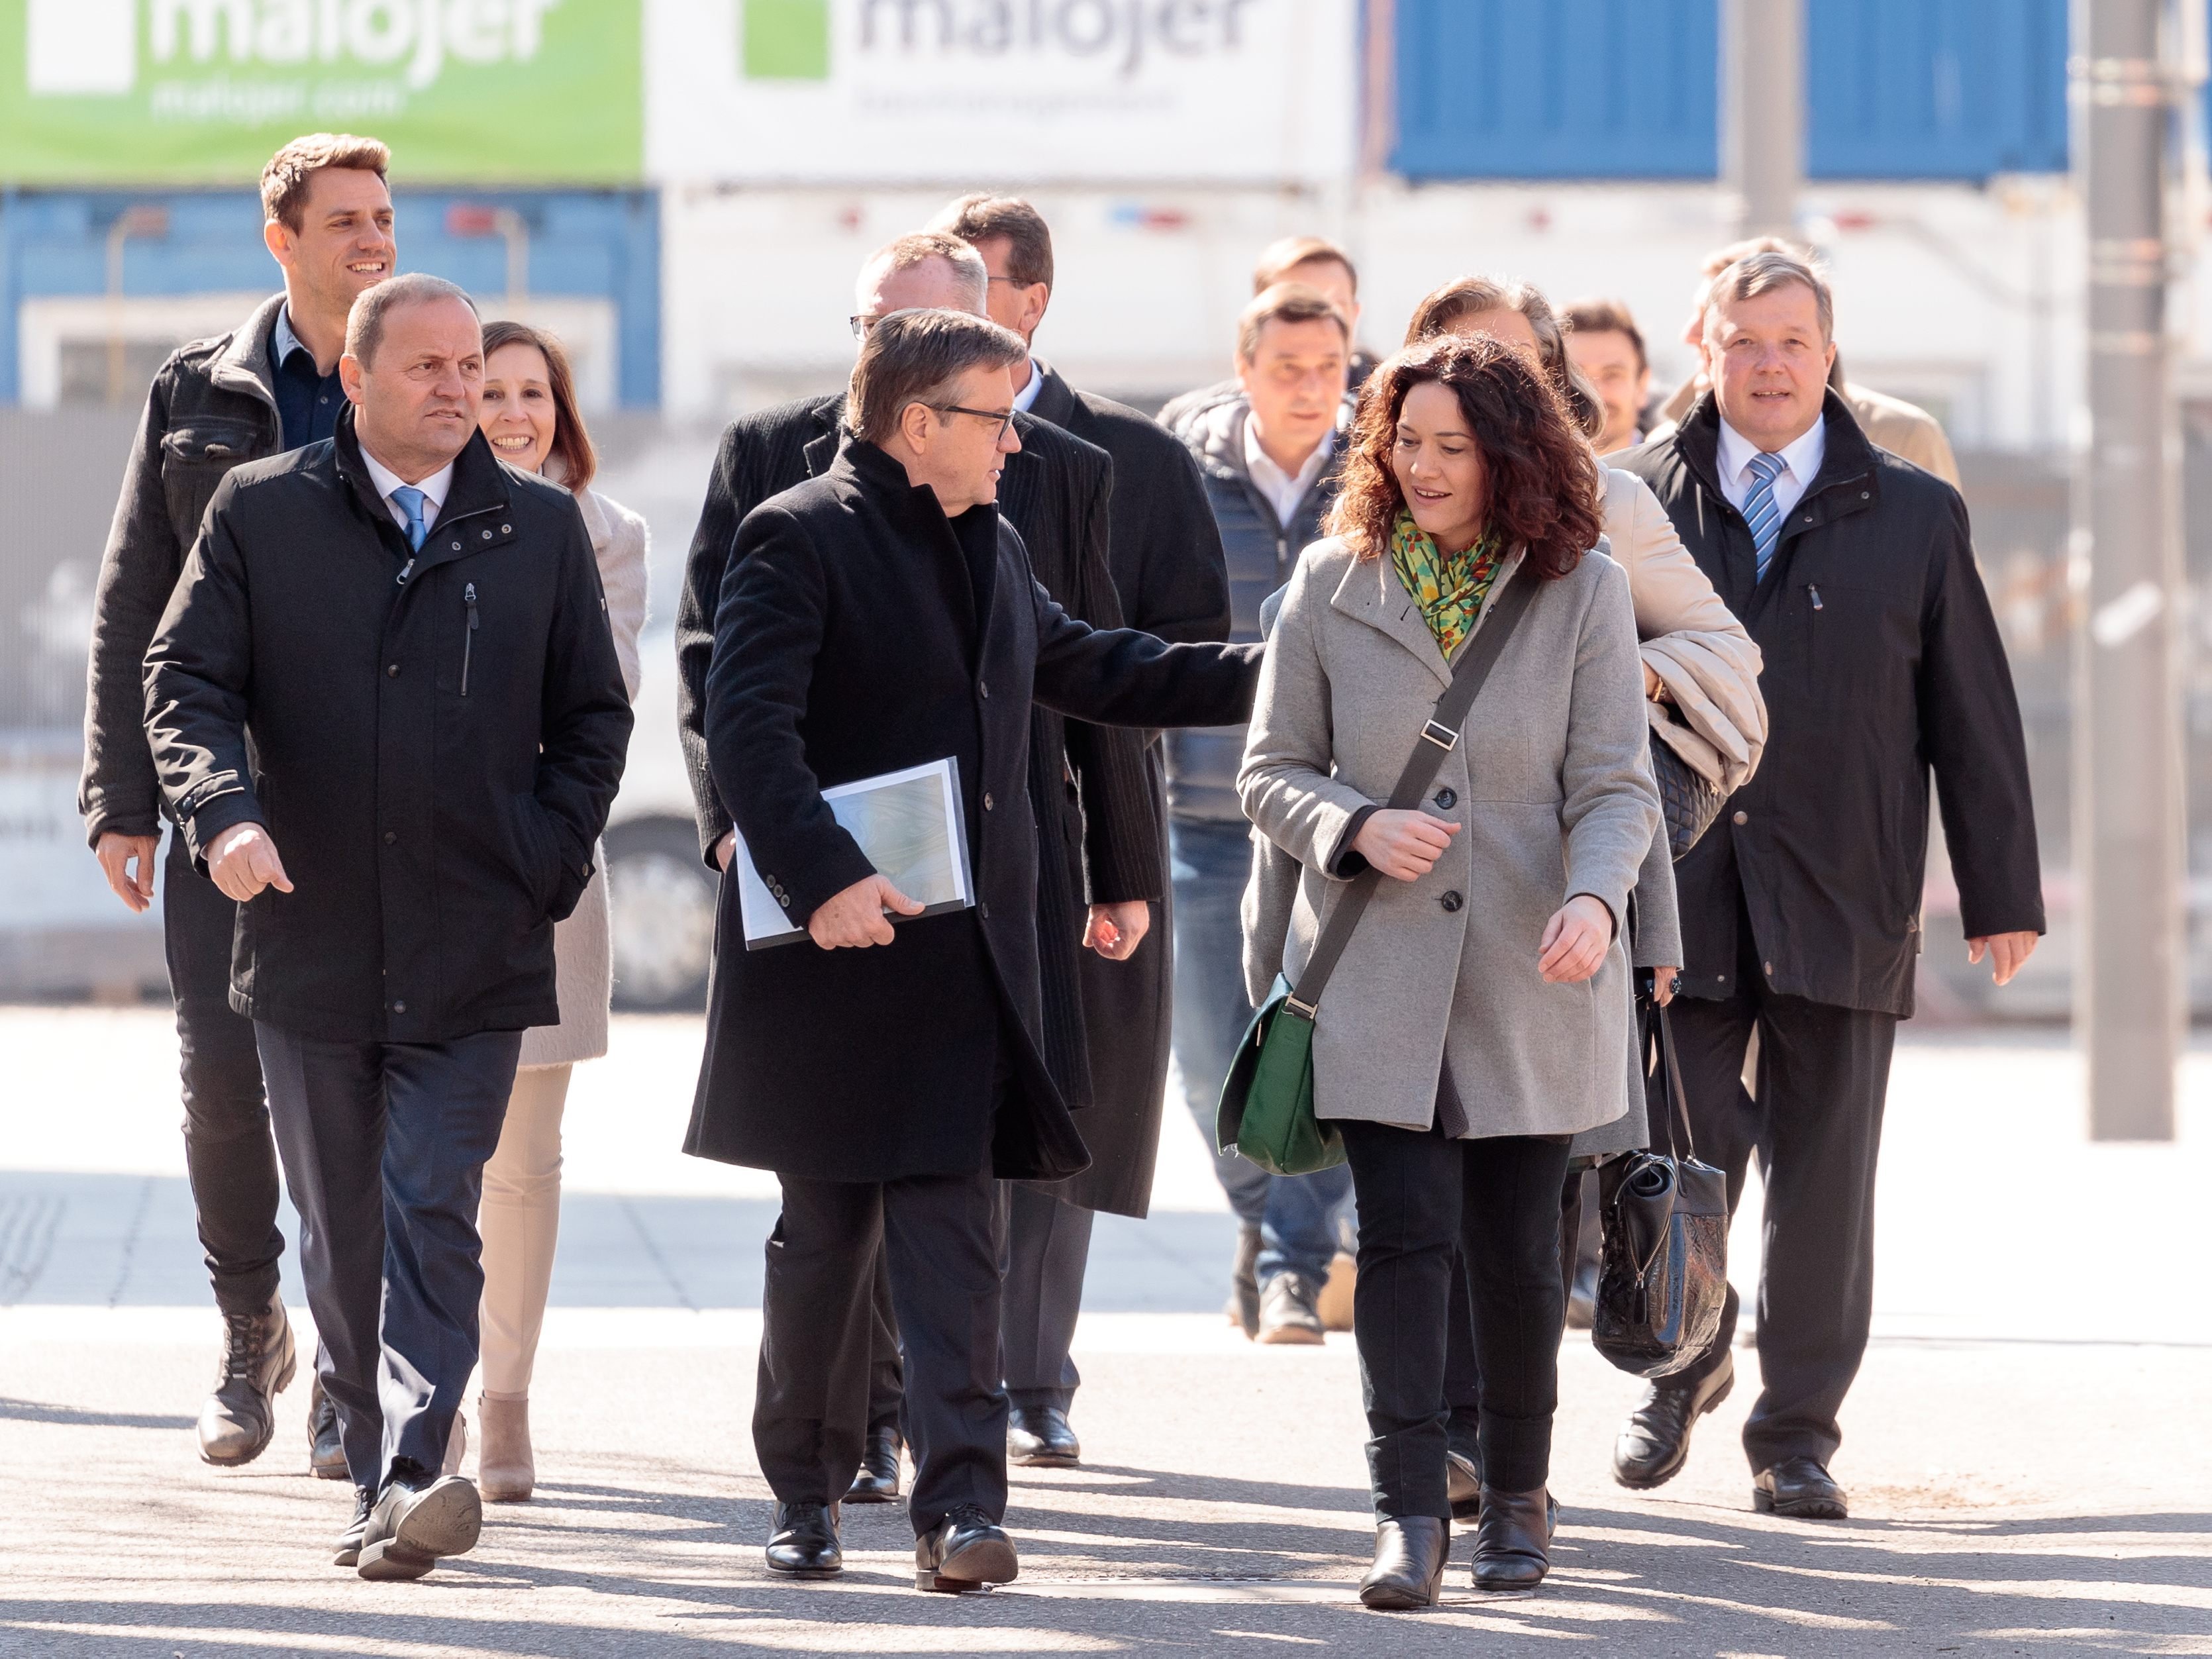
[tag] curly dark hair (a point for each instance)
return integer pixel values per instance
(1537, 468)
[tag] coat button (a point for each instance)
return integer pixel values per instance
(487, 535)
(391, 837)
(391, 672)
(985, 911)
(984, 689)
(1741, 818)
(1769, 967)
(503, 529)
(457, 547)
(399, 1007)
(1446, 800)
(1451, 900)
(987, 801)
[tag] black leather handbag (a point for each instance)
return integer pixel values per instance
(1688, 799)
(1662, 1267)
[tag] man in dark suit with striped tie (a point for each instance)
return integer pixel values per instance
(1854, 572)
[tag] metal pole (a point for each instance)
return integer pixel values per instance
(2129, 823)
(1763, 112)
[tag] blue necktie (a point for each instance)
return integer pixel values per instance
(411, 501)
(1760, 510)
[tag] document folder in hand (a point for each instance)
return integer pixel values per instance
(910, 826)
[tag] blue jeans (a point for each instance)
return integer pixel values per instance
(1296, 1215)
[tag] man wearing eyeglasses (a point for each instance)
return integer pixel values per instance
(1088, 786)
(879, 616)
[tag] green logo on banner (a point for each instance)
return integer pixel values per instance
(786, 40)
(202, 91)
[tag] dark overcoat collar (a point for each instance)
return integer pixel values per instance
(1055, 400)
(1848, 482)
(918, 519)
(479, 491)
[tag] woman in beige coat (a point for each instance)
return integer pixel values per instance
(1481, 1015)
(530, 417)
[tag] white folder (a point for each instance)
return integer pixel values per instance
(910, 826)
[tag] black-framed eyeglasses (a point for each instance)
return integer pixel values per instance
(1004, 417)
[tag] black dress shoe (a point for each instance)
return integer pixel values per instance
(1654, 1442)
(804, 1544)
(1409, 1564)
(348, 1551)
(1512, 1539)
(878, 1482)
(325, 1445)
(1038, 1435)
(1799, 1487)
(410, 1530)
(966, 1551)
(239, 1417)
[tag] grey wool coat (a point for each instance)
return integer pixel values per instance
(583, 943)
(1552, 785)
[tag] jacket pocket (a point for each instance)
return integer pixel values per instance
(540, 851)
(196, 454)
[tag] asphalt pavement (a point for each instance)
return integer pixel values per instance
(2026, 1449)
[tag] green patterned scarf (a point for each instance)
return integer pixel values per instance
(1450, 589)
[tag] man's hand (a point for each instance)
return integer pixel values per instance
(725, 849)
(1116, 931)
(1575, 941)
(855, 918)
(1662, 985)
(117, 855)
(1403, 845)
(242, 861)
(2008, 953)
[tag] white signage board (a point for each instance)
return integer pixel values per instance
(1008, 92)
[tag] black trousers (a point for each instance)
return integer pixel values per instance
(1816, 1128)
(1047, 1249)
(1462, 1371)
(1423, 1197)
(229, 1154)
(384, 1146)
(938, 1238)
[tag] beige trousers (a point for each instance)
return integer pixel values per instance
(520, 1221)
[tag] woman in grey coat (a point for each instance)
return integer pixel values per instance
(530, 416)
(1481, 1015)
(1701, 699)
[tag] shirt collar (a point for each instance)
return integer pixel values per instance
(1271, 476)
(1025, 399)
(1802, 456)
(283, 343)
(434, 487)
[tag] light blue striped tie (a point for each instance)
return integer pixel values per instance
(1760, 510)
(412, 501)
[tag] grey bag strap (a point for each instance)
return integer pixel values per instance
(1438, 738)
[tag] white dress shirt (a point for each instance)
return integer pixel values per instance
(1801, 464)
(433, 489)
(1281, 491)
(1028, 395)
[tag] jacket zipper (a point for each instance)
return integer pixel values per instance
(468, 643)
(1810, 588)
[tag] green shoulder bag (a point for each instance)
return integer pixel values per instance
(1266, 1110)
